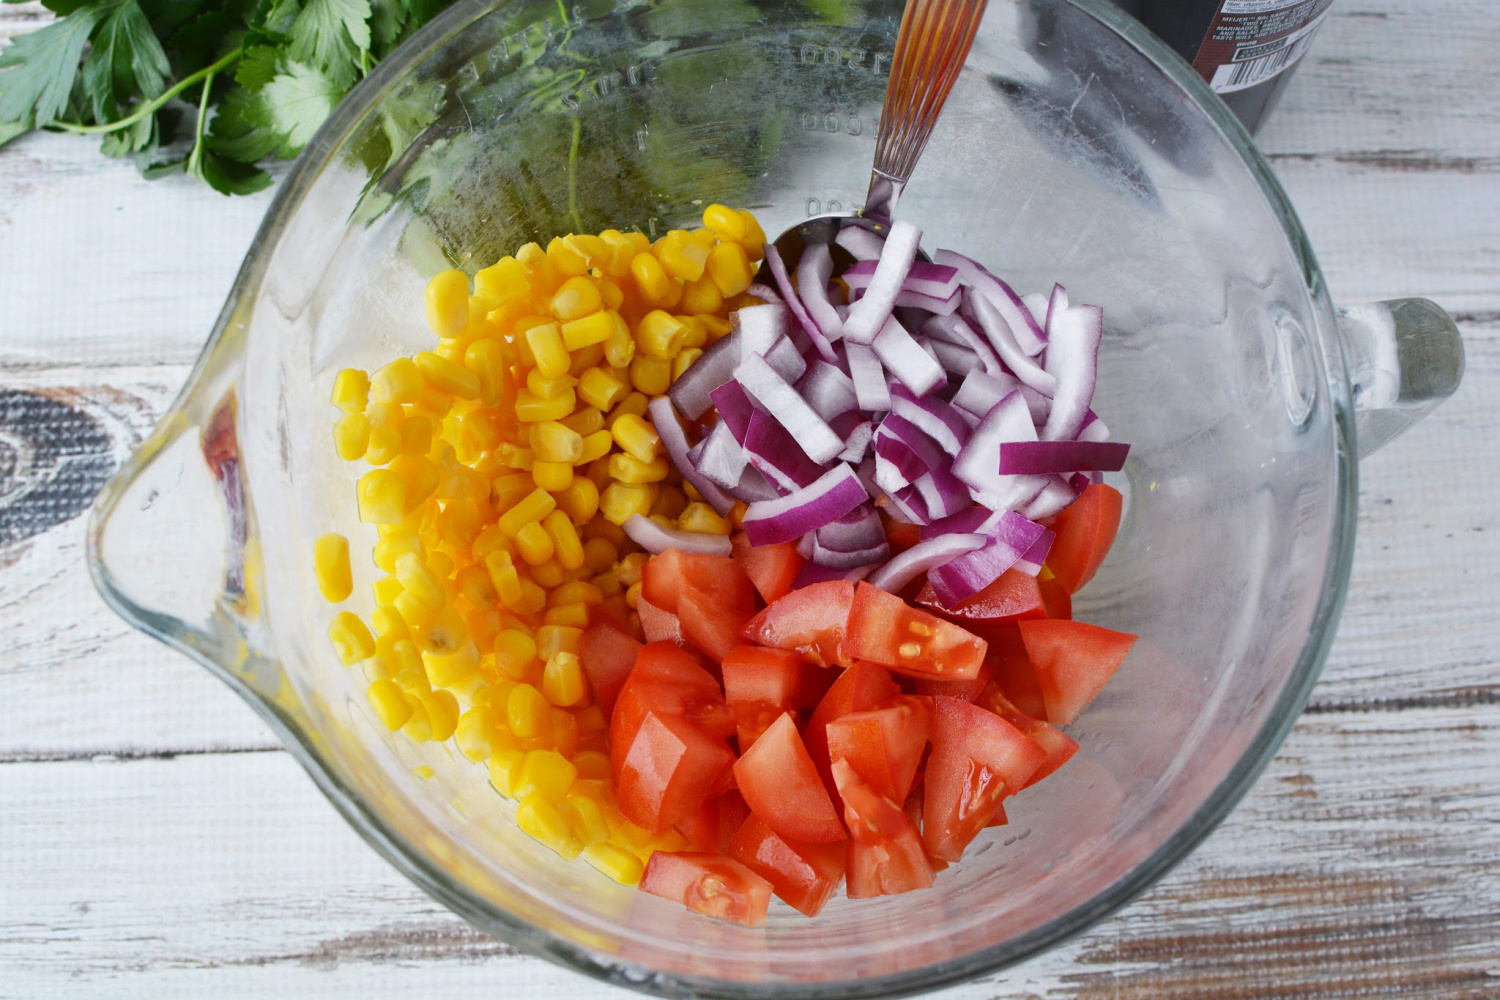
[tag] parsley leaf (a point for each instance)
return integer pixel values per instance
(293, 105)
(126, 60)
(329, 35)
(37, 69)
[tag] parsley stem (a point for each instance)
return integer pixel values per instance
(573, 174)
(195, 158)
(151, 106)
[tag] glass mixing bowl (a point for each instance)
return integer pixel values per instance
(1074, 148)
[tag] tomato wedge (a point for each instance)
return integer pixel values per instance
(885, 852)
(963, 690)
(711, 626)
(771, 568)
(658, 624)
(668, 681)
(884, 745)
(713, 825)
(977, 759)
(710, 884)
(719, 578)
(886, 630)
(670, 768)
(812, 621)
(862, 687)
(1058, 745)
(801, 874)
(777, 778)
(607, 655)
(1013, 671)
(1014, 595)
(1073, 661)
(1085, 530)
(760, 685)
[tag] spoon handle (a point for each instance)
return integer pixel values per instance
(931, 47)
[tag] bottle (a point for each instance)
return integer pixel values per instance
(1245, 49)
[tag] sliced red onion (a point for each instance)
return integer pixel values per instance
(980, 392)
(889, 475)
(778, 456)
(976, 465)
(664, 418)
(1056, 303)
(753, 487)
(1056, 495)
(722, 460)
(868, 315)
(763, 292)
(806, 543)
(1036, 304)
(789, 293)
(790, 410)
(835, 494)
(1073, 360)
(1080, 481)
(905, 505)
(921, 558)
(812, 573)
(835, 559)
(956, 330)
(1026, 332)
(903, 443)
(812, 282)
(904, 358)
(1093, 428)
(861, 243)
(858, 529)
(1036, 404)
(955, 359)
(1040, 458)
(974, 519)
(942, 492)
(827, 390)
(786, 360)
(756, 328)
(692, 393)
(735, 407)
(933, 417)
(966, 575)
(655, 539)
(857, 441)
(999, 332)
(1031, 562)
(870, 386)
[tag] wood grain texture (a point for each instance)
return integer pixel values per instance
(155, 841)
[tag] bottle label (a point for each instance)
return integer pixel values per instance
(1250, 41)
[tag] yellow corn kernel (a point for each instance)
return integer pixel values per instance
(575, 614)
(587, 816)
(418, 728)
(419, 476)
(447, 376)
(459, 523)
(565, 543)
(669, 840)
(619, 346)
(505, 578)
(659, 334)
(546, 345)
(590, 329)
(586, 420)
(351, 436)
(633, 595)
(684, 361)
(423, 771)
(382, 497)
(574, 298)
(533, 597)
(620, 501)
(651, 279)
(695, 331)
(472, 734)
(331, 566)
(448, 303)
(505, 769)
(631, 470)
(351, 390)
(351, 639)
(443, 632)
(650, 375)
(419, 581)
(562, 731)
(549, 574)
(592, 765)
(406, 667)
(596, 446)
(614, 862)
(628, 570)
(554, 639)
(599, 555)
(586, 357)
(533, 507)
(636, 437)
(729, 268)
(591, 720)
(389, 703)
(386, 589)
(526, 711)
(726, 223)
(546, 823)
(503, 281)
(513, 457)
(553, 442)
(636, 403)
(600, 387)
(474, 583)
(755, 237)
(414, 612)
(669, 503)
(548, 388)
(553, 477)
(575, 592)
(579, 501)
(531, 407)
(508, 490)
(607, 583)
(416, 435)
(701, 296)
(385, 444)
(547, 773)
(515, 652)
(611, 294)
(452, 669)
(562, 679)
(487, 359)
(717, 326)
(399, 381)
(388, 623)
(702, 518)
(534, 544)
(681, 256)
(442, 714)
(705, 236)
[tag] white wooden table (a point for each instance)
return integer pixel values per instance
(156, 841)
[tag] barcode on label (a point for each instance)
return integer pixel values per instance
(1254, 63)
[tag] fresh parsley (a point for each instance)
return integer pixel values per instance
(234, 82)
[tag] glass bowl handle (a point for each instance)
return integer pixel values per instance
(1404, 357)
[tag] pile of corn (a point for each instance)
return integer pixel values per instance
(503, 463)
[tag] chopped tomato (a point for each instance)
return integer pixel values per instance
(963, 690)
(1015, 595)
(803, 875)
(760, 685)
(713, 825)
(885, 851)
(1085, 530)
(607, 655)
(710, 884)
(900, 535)
(977, 759)
(777, 778)
(1056, 600)
(670, 768)
(613, 611)
(719, 578)
(1013, 670)
(668, 681)
(706, 623)
(658, 624)
(862, 687)
(813, 621)
(1058, 745)
(885, 629)
(884, 745)
(1000, 819)
(771, 568)
(1073, 660)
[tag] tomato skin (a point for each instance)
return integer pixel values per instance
(780, 784)
(886, 630)
(1058, 745)
(607, 655)
(1073, 661)
(668, 681)
(714, 824)
(658, 624)
(963, 690)
(1056, 600)
(885, 851)
(862, 687)
(771, 568)
(1013, 671)
(812, 621)
(1085, 530)
(884, 745)
(712, 627)
(670, 768)
(760, 685)
(1015, 595)
(801, 874)
(710, 884)
(900, 535)
(719, 578)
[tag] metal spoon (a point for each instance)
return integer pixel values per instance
(931, 47)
